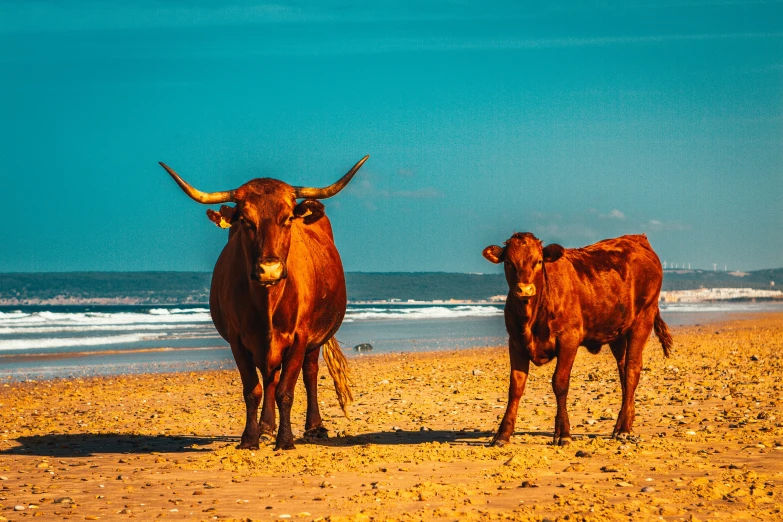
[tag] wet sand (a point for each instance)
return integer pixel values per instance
(147, 446)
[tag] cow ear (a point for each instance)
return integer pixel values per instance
(492, 254)
(311, 210)
(224, 218)
(553, 252)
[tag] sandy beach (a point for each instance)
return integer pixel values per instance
(709, 426)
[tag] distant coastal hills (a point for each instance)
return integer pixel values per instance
(172, 288)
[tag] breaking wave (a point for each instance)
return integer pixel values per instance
(420, 312)
(61, 342)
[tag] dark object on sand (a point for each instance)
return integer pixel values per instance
(364, 347)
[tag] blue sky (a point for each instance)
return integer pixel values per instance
(574, 120)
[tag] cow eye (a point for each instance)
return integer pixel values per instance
(248, 224)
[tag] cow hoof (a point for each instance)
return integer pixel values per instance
(562, 441)
(286, 447)
(317, 433)
(248, 445)
(267, 437)
(626, 437)
(497, 443)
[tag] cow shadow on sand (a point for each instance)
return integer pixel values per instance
(87, 444)
(413, 438)
(82, 445)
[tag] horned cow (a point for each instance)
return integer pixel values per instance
(278, 295)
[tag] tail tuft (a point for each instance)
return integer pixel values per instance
(338, 369)
(663, 334)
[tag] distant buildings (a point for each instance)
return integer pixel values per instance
(718, 294)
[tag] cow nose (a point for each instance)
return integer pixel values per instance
(270, 269)
(524, 290)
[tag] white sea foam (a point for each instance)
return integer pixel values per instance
(719, 307)
(417, 313)
(35, 329)
(47, 318)
(54, 342)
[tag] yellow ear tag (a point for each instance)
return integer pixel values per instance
(223, 223)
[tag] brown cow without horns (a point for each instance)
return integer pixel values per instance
(560, 299)
(277, 296)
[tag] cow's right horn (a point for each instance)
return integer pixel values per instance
(208, 198)
(331, 190)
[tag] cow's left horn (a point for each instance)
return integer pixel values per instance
(208, 198)
(331, 190)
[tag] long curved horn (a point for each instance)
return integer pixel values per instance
(208, 198)
(331, 190)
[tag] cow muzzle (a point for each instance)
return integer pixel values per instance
(525, 290)
(269, 271)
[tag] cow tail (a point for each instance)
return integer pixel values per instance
(663, 334)
(338, 369)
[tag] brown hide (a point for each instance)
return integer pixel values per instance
(309, 303)
(560, 299)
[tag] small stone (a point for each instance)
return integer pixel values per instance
(425, 428)
(63, 500)
(125, 511)
(19, 508)
(528, 484)
(122, 477)
(754, 357)
(3, 478)
(198, 492)
(624, 484)
(477, 372)
(648, 489)
(583, 454)
(385, 381)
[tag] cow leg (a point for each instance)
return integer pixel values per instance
(268, 426)
(637, 338)
(619, 347)
(313, 424)
(251, 391)
(560, 381)
(520, 366)
(284, 395)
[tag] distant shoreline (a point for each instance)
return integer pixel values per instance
(8, 304)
